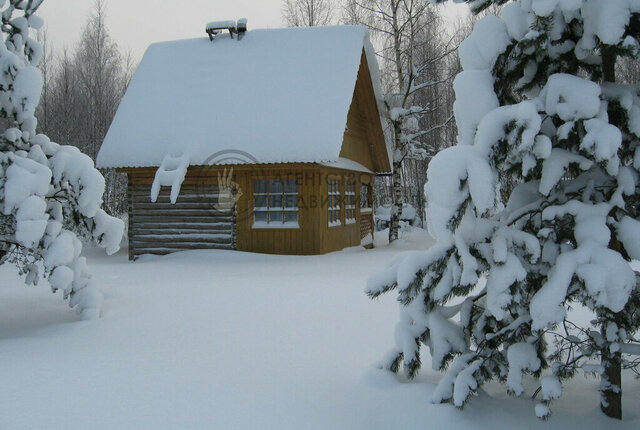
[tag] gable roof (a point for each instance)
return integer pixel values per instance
(280, 95)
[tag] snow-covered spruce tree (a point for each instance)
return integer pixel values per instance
(49, 194)
(536, 105)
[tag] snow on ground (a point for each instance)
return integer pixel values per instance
(231, 340)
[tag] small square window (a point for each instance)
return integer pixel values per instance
(275, 203)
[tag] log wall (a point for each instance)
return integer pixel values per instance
(193, 222)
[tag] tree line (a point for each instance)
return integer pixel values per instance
(82, 88)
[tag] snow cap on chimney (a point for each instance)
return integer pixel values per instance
(216, 27)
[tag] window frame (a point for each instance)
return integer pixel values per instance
(334, 202)
(366, 205)
(283, 209)
(350, 201)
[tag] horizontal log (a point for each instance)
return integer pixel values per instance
(183, 193)
(136, 233)
(184, 204)
(181, 212)
(183, 225)
(151, 251)
(218, 229)
(168, 187)
(164, 251)
(217, 237)
(184, 246)
(185, 188)
(196, 236)
(173, 219)
(179, 245)
(202, 205)
(181, 198)
(181, 216)
(178, 210)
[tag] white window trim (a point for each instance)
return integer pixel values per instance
(268, 225)
(352, 207)
(260, 225)
(337, 208)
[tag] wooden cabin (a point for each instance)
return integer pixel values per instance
(268, 143)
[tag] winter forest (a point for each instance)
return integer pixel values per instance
(500, 289)
(82, 87)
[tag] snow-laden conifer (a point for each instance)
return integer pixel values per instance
(50, 194)
(534, 211)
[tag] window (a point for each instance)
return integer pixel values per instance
(350, 202)
(365, 203)
(334, 203)
(275, 203)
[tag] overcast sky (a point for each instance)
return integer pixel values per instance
(134, 24)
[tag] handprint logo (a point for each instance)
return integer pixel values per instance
(228, 191)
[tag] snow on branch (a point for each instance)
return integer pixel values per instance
(534, 211)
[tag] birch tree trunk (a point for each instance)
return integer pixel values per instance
(396, 178)
(396, 186)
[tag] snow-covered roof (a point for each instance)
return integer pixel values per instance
(347, 164)
(280, 95)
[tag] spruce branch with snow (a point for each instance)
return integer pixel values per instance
(537, 104)
(50, 194)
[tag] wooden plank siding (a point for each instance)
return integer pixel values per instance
(356, 145)
(345, 235)
(300, 241)
(364, 96)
